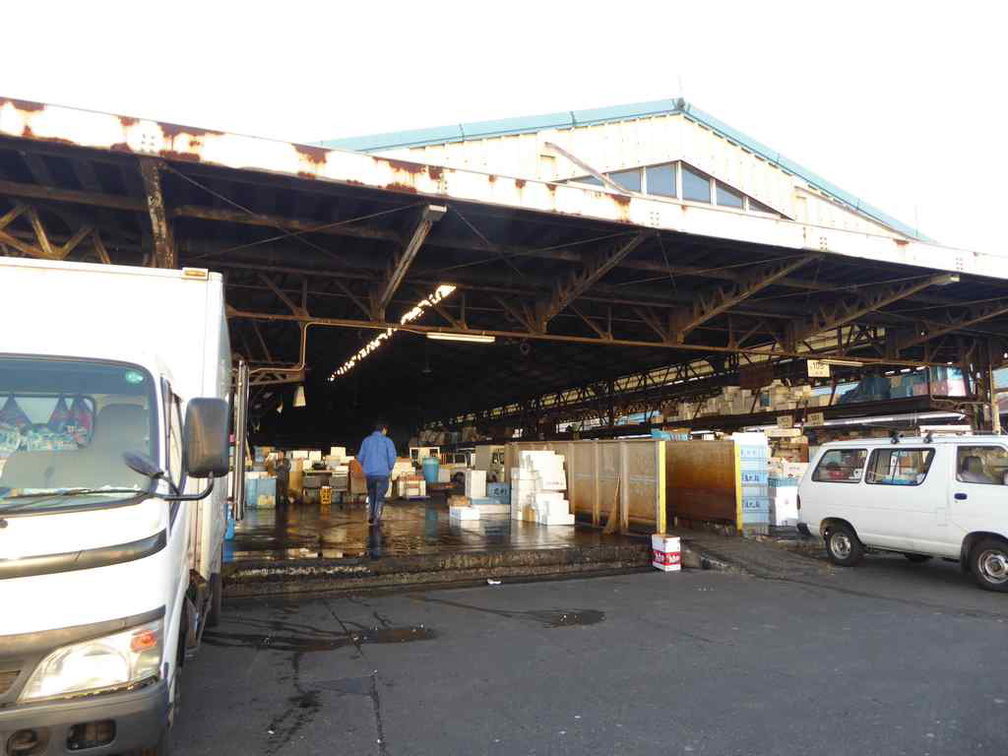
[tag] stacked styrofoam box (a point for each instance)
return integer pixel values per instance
(754, 455)
(475, 484)
(523, 490)
(492, 507)
(783, 501)
(537, 489)
(551, 508)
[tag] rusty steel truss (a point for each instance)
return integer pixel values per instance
(599, 301)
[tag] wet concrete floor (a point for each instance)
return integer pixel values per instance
(887, 658)
(408, 528)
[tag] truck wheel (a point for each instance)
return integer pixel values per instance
(917, 558)
(842, 545)
(216, 599)
(989, 564)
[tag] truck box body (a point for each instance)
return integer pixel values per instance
(145, 342)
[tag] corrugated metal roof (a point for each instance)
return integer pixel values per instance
(569, 119)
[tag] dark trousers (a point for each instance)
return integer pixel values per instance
(377, 485)
(282, 486)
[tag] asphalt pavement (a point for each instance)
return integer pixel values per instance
(885, 658)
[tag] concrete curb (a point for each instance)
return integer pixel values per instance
(334, 575)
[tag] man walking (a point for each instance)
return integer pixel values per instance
(282, 468)
(377, 457)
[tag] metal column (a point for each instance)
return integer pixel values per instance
(241, 437)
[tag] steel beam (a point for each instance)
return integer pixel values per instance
(164, 245)
(710, 304)
(41, 245)
(578, 283)
(587, 168)
(386, 289)
(927, 330)
(237, 314)
(830, 316)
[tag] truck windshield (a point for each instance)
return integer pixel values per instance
(64, 427)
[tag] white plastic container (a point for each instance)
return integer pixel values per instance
(666, 552)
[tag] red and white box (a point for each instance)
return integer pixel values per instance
(666, 552)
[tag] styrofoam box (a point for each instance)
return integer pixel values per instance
(561, 519)
(475, 484)
(464, 513)
(666, 552)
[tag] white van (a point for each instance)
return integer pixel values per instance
(922, 497)
(111, 529)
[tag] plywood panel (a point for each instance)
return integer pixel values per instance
(700, 480)
(593, 468)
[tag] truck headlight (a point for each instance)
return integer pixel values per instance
(126, 658)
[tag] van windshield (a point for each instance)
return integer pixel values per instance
(64, 427)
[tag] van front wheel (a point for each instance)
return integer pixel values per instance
(989, 564)
(842, 545)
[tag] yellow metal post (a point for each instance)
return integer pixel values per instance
(738, 489)
(660, 478)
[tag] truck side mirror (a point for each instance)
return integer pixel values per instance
(205, 449)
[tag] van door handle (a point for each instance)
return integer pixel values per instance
(961, 497)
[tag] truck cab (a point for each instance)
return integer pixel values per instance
(922, 497)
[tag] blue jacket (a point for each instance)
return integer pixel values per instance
(377, 455)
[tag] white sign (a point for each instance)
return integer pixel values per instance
(785, 421)
(818, 369)
(815, 418)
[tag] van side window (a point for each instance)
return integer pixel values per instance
(982, 464)
(899, 467)
(840, 466)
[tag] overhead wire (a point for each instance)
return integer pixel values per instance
(285, 233)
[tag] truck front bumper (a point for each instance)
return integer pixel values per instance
(139, 717)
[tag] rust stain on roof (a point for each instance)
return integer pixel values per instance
(436, 172)
(315, 155)
(411, 168)
(28, 107)
(397, 186)
(520, 183)
(172, 130)
(173, 155)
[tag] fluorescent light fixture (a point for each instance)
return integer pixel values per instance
(419, 309)
(472, 338)
(299, 398)
(845, 363)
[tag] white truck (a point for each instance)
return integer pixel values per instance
(111, 527)
(922, 497)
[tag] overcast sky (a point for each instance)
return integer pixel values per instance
(898, 103)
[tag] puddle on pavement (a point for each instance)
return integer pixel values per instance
(298, 640)
(547, 617)
(567, 619)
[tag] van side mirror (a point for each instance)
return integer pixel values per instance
(205, 447)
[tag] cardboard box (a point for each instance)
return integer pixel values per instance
(666, 552)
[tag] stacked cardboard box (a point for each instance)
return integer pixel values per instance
(411, 487)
